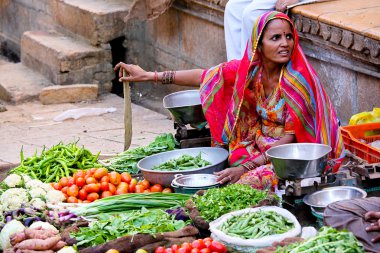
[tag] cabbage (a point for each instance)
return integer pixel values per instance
(12, 227)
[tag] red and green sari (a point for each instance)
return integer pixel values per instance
(242, 118)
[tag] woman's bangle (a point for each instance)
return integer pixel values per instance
(265, 158)
(250, 165)
(155, 77)
(168, 77)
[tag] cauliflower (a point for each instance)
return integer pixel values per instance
(37, 193)
(34, 183)
(47, 187)
(13, 180)
(26, 178)
(38, 203)
(54, 196)
(13, 198)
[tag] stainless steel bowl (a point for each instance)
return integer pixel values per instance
(299, 160)
(185, 107)
(320, 199)
(216, 156)
(190, 184)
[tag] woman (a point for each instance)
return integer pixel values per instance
(270, 97)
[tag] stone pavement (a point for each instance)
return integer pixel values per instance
(31, 126)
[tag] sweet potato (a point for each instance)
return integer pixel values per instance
(17, 237)
(39, 233)
(59, 245)
(38, 244)
(33, 251)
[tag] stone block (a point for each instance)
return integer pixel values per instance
(368, 92)
(306, 25)
(358, 42)
(325, 31)
(336, 35)
(59, 94)
(347, 39)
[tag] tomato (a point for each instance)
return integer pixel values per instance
(205, 250)
(115, 178)
(73, 190)
(92, 188)
(156, 188)
(86, 201)
(106, 194)
(91, 171)
(159, 250)
(174, 247)
(82, 194)
(80, 173)
(126, 177)
(104, 186)
(195, 250)
(92, 196)
(101, 172)
(133, 181)
(121, 191)
(63, 181)
(207, 239)
(70, 181)
(145, 183)
(64, 189)
(72, 199)
(139, 188)
(183, 250)
(208, 244)
(131, 187)
(105, 179)
(80, 181)
(186, 245)
(167, 190)
(91, 180)
(169, 250)
(123, 185)
(199, 244)
(112, 188)
(57, 186)
(218, 247)
(146, 191)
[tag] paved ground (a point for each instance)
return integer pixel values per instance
(31, 126)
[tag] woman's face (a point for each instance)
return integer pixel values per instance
(277, 42)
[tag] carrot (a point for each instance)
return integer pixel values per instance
(39, 233)
(38, 244)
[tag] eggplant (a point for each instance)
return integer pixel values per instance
(30, 220)
(179, 213)
(8, 218)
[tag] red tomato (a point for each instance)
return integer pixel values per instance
(101, 172)
(198, 244)
(205, 250)
(159, 250)
(106, 194)
(64, 189)
(91, 171)
(195, 250)
(73, 191)
(104, 186)
(169, 250)
(207, 239)
(126, 177)
(183, 250)
(139, 188)
(208, 244)
(81, 173)
(70, 181)
(115, 178)
(167, 190)
(131, 187)
(112, 188)
(63, 181)
(120, 191)
(186, 245)
(57, 186)
(105, 179)
(145, 183)
(92, 196)
(156, 188)
(91, 180)
(174, 247)
(146, 191)
(82, 194)
(218, 247)
(133, 181)
(92, 188)
(72, 199)
(80, 181)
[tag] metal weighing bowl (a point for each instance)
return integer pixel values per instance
(320, 199)
(190, 184)
(185, 107)
(216, 156)
(299, 160)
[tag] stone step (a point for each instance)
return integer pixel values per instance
(99, 21)
(19, 83)
(65, 60)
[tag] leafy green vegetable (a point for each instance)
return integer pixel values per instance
(255, 225)
(127, 160)
(109, 227)
(327, 240)
(184, 162)
(218, 201)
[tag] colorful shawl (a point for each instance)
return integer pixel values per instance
(312, 111)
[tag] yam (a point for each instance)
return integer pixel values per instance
(186, 231)
(38, 244)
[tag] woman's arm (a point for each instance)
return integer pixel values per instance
(135, 73)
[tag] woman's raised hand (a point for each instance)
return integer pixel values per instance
(134, 73)
(281, 5)
(230, 175)
(373, 217)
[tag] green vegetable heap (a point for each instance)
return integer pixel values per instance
(218, 201)
(184, 162)
(109, 227)
(59, 161)
(127, 160)
(255, 225)
(327, 240)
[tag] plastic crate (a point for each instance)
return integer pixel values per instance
(353, 136)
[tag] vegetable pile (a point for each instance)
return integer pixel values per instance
(59, 161)
(127, 160)
(218, 201)
(184, 162)
(327, 240)
(206, 245)
(108, 227)
(256, 225)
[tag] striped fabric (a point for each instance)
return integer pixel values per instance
(223, 87)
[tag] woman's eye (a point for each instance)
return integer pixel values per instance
(289, 36)
(275, 37)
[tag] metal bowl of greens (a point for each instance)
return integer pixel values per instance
(185, 107)
(190, 184)
(162, 168)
